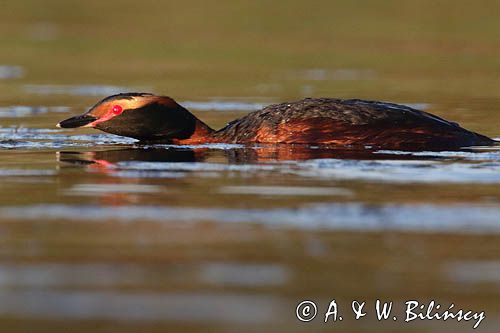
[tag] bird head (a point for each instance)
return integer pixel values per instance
(141, 116)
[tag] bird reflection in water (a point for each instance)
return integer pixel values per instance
(108, 160)
(138, 171)
(122, 186)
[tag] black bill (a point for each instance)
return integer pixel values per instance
(77, 121)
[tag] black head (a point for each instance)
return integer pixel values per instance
(141, 116)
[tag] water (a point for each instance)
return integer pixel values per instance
(102, 233)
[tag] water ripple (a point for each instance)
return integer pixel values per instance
(143, 306)
(401, 171)
(336, 216)
(35, 138)
(11, 72)
(26, 172)
(79, 90)
(19, 111)
(367, 170)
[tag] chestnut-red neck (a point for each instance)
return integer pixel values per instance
(202, 134)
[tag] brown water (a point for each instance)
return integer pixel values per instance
(98, 233)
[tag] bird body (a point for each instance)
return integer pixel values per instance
(313, 121)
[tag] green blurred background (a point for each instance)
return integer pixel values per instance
(418, 50)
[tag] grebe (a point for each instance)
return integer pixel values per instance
(317, 121)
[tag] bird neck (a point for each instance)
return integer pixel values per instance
(202, 134)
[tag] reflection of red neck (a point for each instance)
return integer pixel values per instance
(202, 134)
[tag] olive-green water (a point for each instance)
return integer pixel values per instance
(98, 233)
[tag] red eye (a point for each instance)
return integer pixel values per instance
(117, 109)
